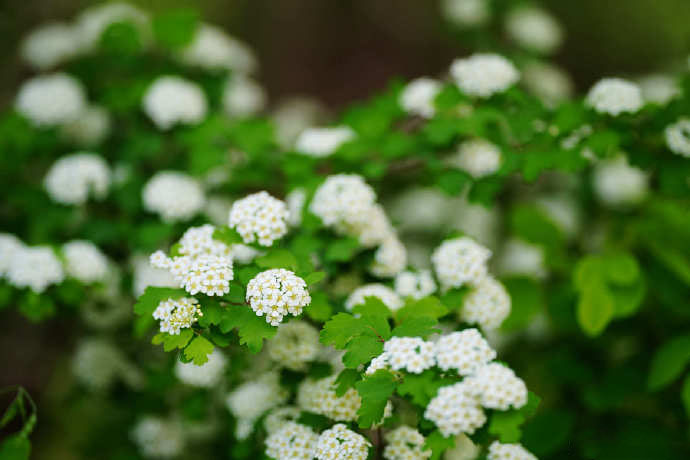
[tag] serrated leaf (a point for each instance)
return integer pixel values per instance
(212, 313)
(372, 306)
(362, 349)
(346, 380)
(416, 327)
(668, 362)
(278, 258)
(152, 296)
(251, 329)
(171, 342)
(340, 330)
(419, 387)
(375, 390)
(430, 307)
(198, 350)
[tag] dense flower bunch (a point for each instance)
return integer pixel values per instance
(259, 217)
(341, 442)
(51, 100)
(173, 195)
(252, 399)
(277, 293)
(177, 314)
(293, 441)
(171, 100)
(382, 292)
(84, 261)
(295, 344)
(73, 178)
(207, 375)
(483, 75)
(405, 443)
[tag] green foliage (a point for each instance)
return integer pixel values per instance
(669, 362)
(21, 411)
(252, 329)
(198, 350)
(507, 425)
(375, 390)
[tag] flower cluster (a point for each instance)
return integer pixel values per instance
(197, 241)
(419, 95)
(499, 451)
(534, 29)
(211, 48)
(478, 157)
(9, 246)
(89, 128)
(50, 45)
(295, 201)
(455, 410)
(176, 314)
(35, 267)
(483, 74)
(146, 275)
(614, 96)
(415, 284)
(171, 100)
(93, 21)
(464, 351)
(205, 376)
(243, 97)
(72, 178)
(460, 261)
(617, 183)
(405, 353)
(250, 400)
(405, 443)
(549, 83)
(277, 292)
(319, 397)
(295, 344)
(259, 217)
(278, 417)
(292, 441)
(488, 304)
(466, 13)
(173, 195)
(339, 442)
(322, 142)
(678, 137)
(497, 387)
(84, 261)
(158, 438)
(389, 259)
(51, 99)
(380, 291)
(98, 364)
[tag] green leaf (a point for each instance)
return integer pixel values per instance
(362, 349)
(453, 298)
(362, 337)
(319, 309)
(621, 268)
(419, 387)
(453, 181)
(278, 258)
(668, 362)
(171, 342)
(346, 380)
(198, 350)
(227, 235)
(628, 298)
(506, 425)
(429, 307)
(342, 250)
(175, 28)
(527, 300)
(375, 390)
(251, 329)
(341, 329)
(595, 309)
(416, 327)
(314, 278)
(438, 444)
(152, 296)
(15, 447)
(212, 313)
(237, 293)
(372, 306)
(246, 274)
(685, 394)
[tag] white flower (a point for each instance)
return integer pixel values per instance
(343, 201)
(72, 178)
(34, 267)
(616, 183)
(93, 21)
(294, 115)
(90, 128)
(380, 291)
(176, 314)
(497, 387)
(322, 142)
(549, 83)
(614, 96)
(418, 97)
(9, 246)
(251, 399)
(158, 438)
(374, 229)
(405, 443)
(319, 397)
(207, 375)
(488, 304)
(498, 451)
(534, 29)
(678, 137)
(484, 75)
(563, 210)
(518, 257)
(460, 261)
(98, 364)
(51, 99)
(407, 353)
(295, 344)
(243, 97)
(146, 275)
(278, 417)
(339, 442)
(293, 441)
(416, 285)
(197, 241)
(84, 261)
(295, 201)
(259, 217)
(173, 195)
(212, 48)
(208, 274)
(50, 45)
(466, 13)
(455, 410)
(277, 292)
(464, 351)
(389, 259)
(658, 88)
(478, 157)
(172, 100)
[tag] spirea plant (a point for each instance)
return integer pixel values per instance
(478, 265)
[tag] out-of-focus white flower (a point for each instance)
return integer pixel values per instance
(464, 351)
(466, 13)
(276, 293)
(72, 178)
(293, 441)
(389, 259)
(173, 195)
(563, 210)
(294, 115)
(211, 48)
(243, 97)
(158, 438)
(478, 157)
(418, 96)
(295, 201)
(98, 364)
(295, 344)
(455, 410)
(405, 353)
(319, 397)
(498, 451)
(172, 100)
(678, 137)
(343, 201)
(380, 291)
(176, 314)
(415, 284)
(549, 83)
(90, 128)
(93, 21)
(259, 217)
(9, 245)
(205, 376)
(339, 442)
(50, 45)
(459, 261)
(484, 74)
(35, 267)
(51, 99)
(615, 96)
(278, 417)
(84, 261)
(251, 399)
(518, 257)
(534, 29)
(658, 88)
(616, 183)
(488, 304)
(405, 443)
(497, 387)
(322, 142)
(146, 275)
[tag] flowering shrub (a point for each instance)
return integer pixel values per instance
(476, 266)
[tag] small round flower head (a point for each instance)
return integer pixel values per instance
(198, 241)
(322, 142)
(276, 293)
(488, 304)
(484, 74)
(658, 88)
(90, 128)
(464, 351)
(84, 261)
(279, 416)
(295, 344)
(518, 257)
(35, 267)
(549, 83)
(9, 246)
(295, 201)
(207, 375)
(415, 284)
(616, 183)
(293, 441)
(389, 259)
(380, 291)
(97, 364)
(343, 201)
(158, 438)
(460, 261)
(319, 397)
(409, 353)
(405, 443)
(466, 13)
(175, 196)
(52, 99)
(146, 275)
(498, 451)
(678, 137)
(292, 116)
(252, 399)
(614, 96)
(50, 45)
(497, 387)
(208, 274)
(176, 314)
(259, 217)
(72, 178)
(455, 410)
(211, 48)
(478, 157)
(172, 100)
(243, 97)
(339, 442)
(418, 97)
(534, 29)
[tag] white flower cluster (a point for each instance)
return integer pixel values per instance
(498, 451)
(460, 261)
(278, 417)
(382, 292)
(322, 142)
(415, 284)
(405, 443)
(455, 410)
(205, 376)
(478, 157)
(518, 257)
(295, 344)
(50, 45)
(295, 201)
(198, 241)
(497, 387)
(72, 178)
(158, 438)
(488, 304)
(389, 259)
(211, 48)
(98, 364)
(93, 21)
(319, 397)
(51, 99)
(276, 293)
(176, 314)
(484, 74)
(84, 261)
(9, 246)
(678, 137)
(534, 29)
(614, 96)
(343, 201)
(405, 353)
(250, 400)
(617, 183)
(173, 195)
(339, 442)
(466, 13)
(259, 217)
(171, 100)
(243, 97)
(465, 351)
(548, 82)
(34, 267)
(90, 128)
(293, 441)
(419, 95)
